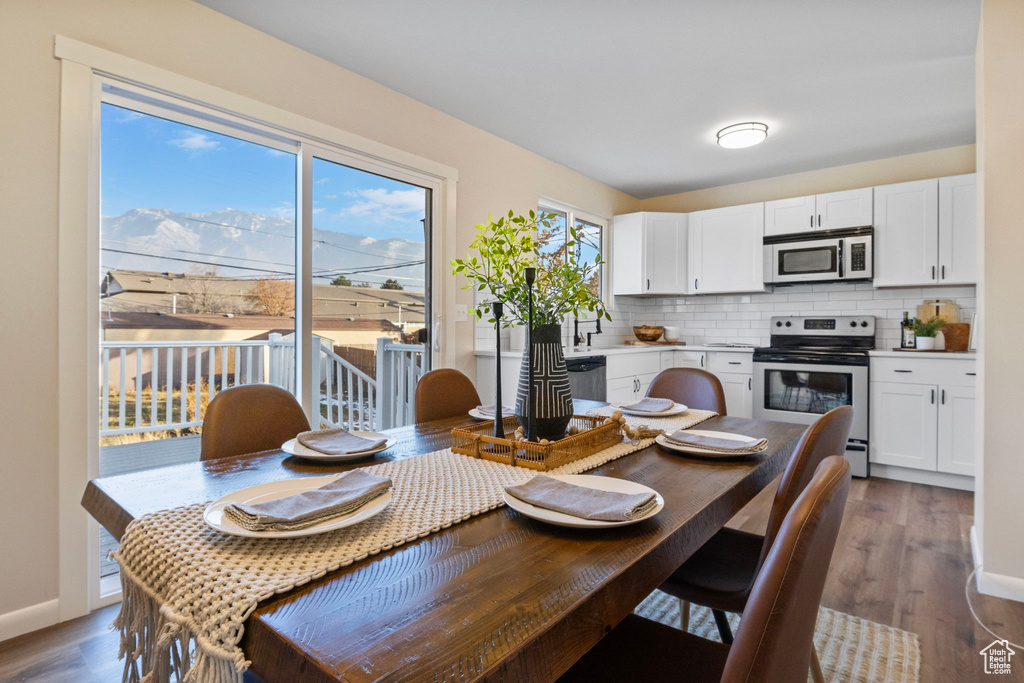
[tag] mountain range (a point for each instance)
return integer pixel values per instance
(242, 244)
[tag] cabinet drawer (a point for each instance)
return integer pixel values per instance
(631, 365)
(730, 362)
(690, 359)
(957, 373)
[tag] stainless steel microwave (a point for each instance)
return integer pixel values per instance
(832, 256)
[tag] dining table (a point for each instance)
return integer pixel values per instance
(498, 597)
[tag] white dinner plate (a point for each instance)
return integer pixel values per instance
(215, 519)
(674, 410)
(590, 481)
(293, 447)
(662, 441)
(477, 415)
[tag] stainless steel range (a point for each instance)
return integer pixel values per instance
(812, 366)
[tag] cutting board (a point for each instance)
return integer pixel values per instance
(943, 308)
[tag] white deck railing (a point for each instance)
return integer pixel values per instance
(159, 386)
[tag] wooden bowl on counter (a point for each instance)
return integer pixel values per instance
(648, 333)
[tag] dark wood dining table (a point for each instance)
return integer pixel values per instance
(499, 597)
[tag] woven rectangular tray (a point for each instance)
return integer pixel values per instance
(595, 434)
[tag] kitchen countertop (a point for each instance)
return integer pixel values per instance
(623, 349)
(942, 355)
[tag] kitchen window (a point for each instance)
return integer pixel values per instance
(589, 238)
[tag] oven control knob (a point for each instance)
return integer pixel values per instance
(778, 323)
(789, 324)
(853, 323)
(864, 323)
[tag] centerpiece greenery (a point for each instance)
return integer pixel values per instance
(925, 331)
(505, 248)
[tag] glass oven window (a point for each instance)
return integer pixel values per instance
(810, 392)
(807, 260)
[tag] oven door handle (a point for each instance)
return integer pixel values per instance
(839, 258)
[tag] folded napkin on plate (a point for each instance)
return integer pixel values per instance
(705, 441)
(650, 405)
(489, 410)
(338, 442)
(343, 496)
(580, 501)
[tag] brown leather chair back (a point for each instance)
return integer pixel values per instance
(827, 436)
(444, 393)
(250, 418)
(693, 387)
(775, 637)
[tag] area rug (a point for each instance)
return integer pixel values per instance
(850, 649)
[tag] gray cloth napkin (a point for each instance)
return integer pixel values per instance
(337, 441)
(489, 410)
(580, 501)
(343, 496)
(650, 405)
(684, 437)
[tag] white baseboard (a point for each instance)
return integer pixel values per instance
(28, 619)
(997, 585)
(929, 477)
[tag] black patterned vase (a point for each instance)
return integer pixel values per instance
(552, 397)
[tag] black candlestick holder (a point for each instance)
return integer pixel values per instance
(531, 277)
(499, 416)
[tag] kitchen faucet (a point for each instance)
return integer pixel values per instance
(577, 338)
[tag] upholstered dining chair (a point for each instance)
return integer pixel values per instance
(721, 573)
(444, 392)
(250, 418)
(775, 638)
(693, 387)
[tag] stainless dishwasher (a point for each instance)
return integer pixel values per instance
(587, 378)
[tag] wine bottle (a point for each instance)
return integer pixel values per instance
(907, 339)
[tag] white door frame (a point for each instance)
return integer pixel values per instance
(84, 70)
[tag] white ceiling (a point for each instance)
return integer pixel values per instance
(631, 92)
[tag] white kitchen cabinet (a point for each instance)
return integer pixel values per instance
(903, 424)
(739, 395)
(649, 253)
(726, 250)
(629, 375)
(688, 359)
(922, 414)
(958, 215)
(956, 430)
(925, 232)
(907, 233)
(830, 211)
(846, 209)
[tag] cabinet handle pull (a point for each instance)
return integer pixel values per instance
(648, 283)
(735, 362)
(750, 384)
(902, 370)
(933, 272)
(943, 397)
(702, 360)
(971, 374)
(933, 397)
(943, 272)
(819, 220)
(812, 220)
(695, 283)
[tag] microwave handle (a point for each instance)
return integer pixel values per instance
(839, 252)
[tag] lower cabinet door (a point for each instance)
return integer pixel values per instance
(739, 400)
(904, 424)
(956, 430)
(643, 383)
(621, 390)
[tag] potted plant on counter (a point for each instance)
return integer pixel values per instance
(564, 284)
(924, 332)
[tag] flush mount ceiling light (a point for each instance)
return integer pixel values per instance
(742, 135)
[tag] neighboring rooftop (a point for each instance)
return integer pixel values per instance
(124, 320)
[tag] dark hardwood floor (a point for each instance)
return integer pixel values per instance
(902, 559)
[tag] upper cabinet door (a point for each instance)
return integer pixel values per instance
(847, 209)
(907, 233)
(785, 216)
(958, 214)
(726, 252)
(665, 247)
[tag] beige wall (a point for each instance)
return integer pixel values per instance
(192, 40)
(999, 513)
(943, 162)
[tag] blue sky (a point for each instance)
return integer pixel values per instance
(152, 163)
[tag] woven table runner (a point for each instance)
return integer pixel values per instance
(188, 589)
